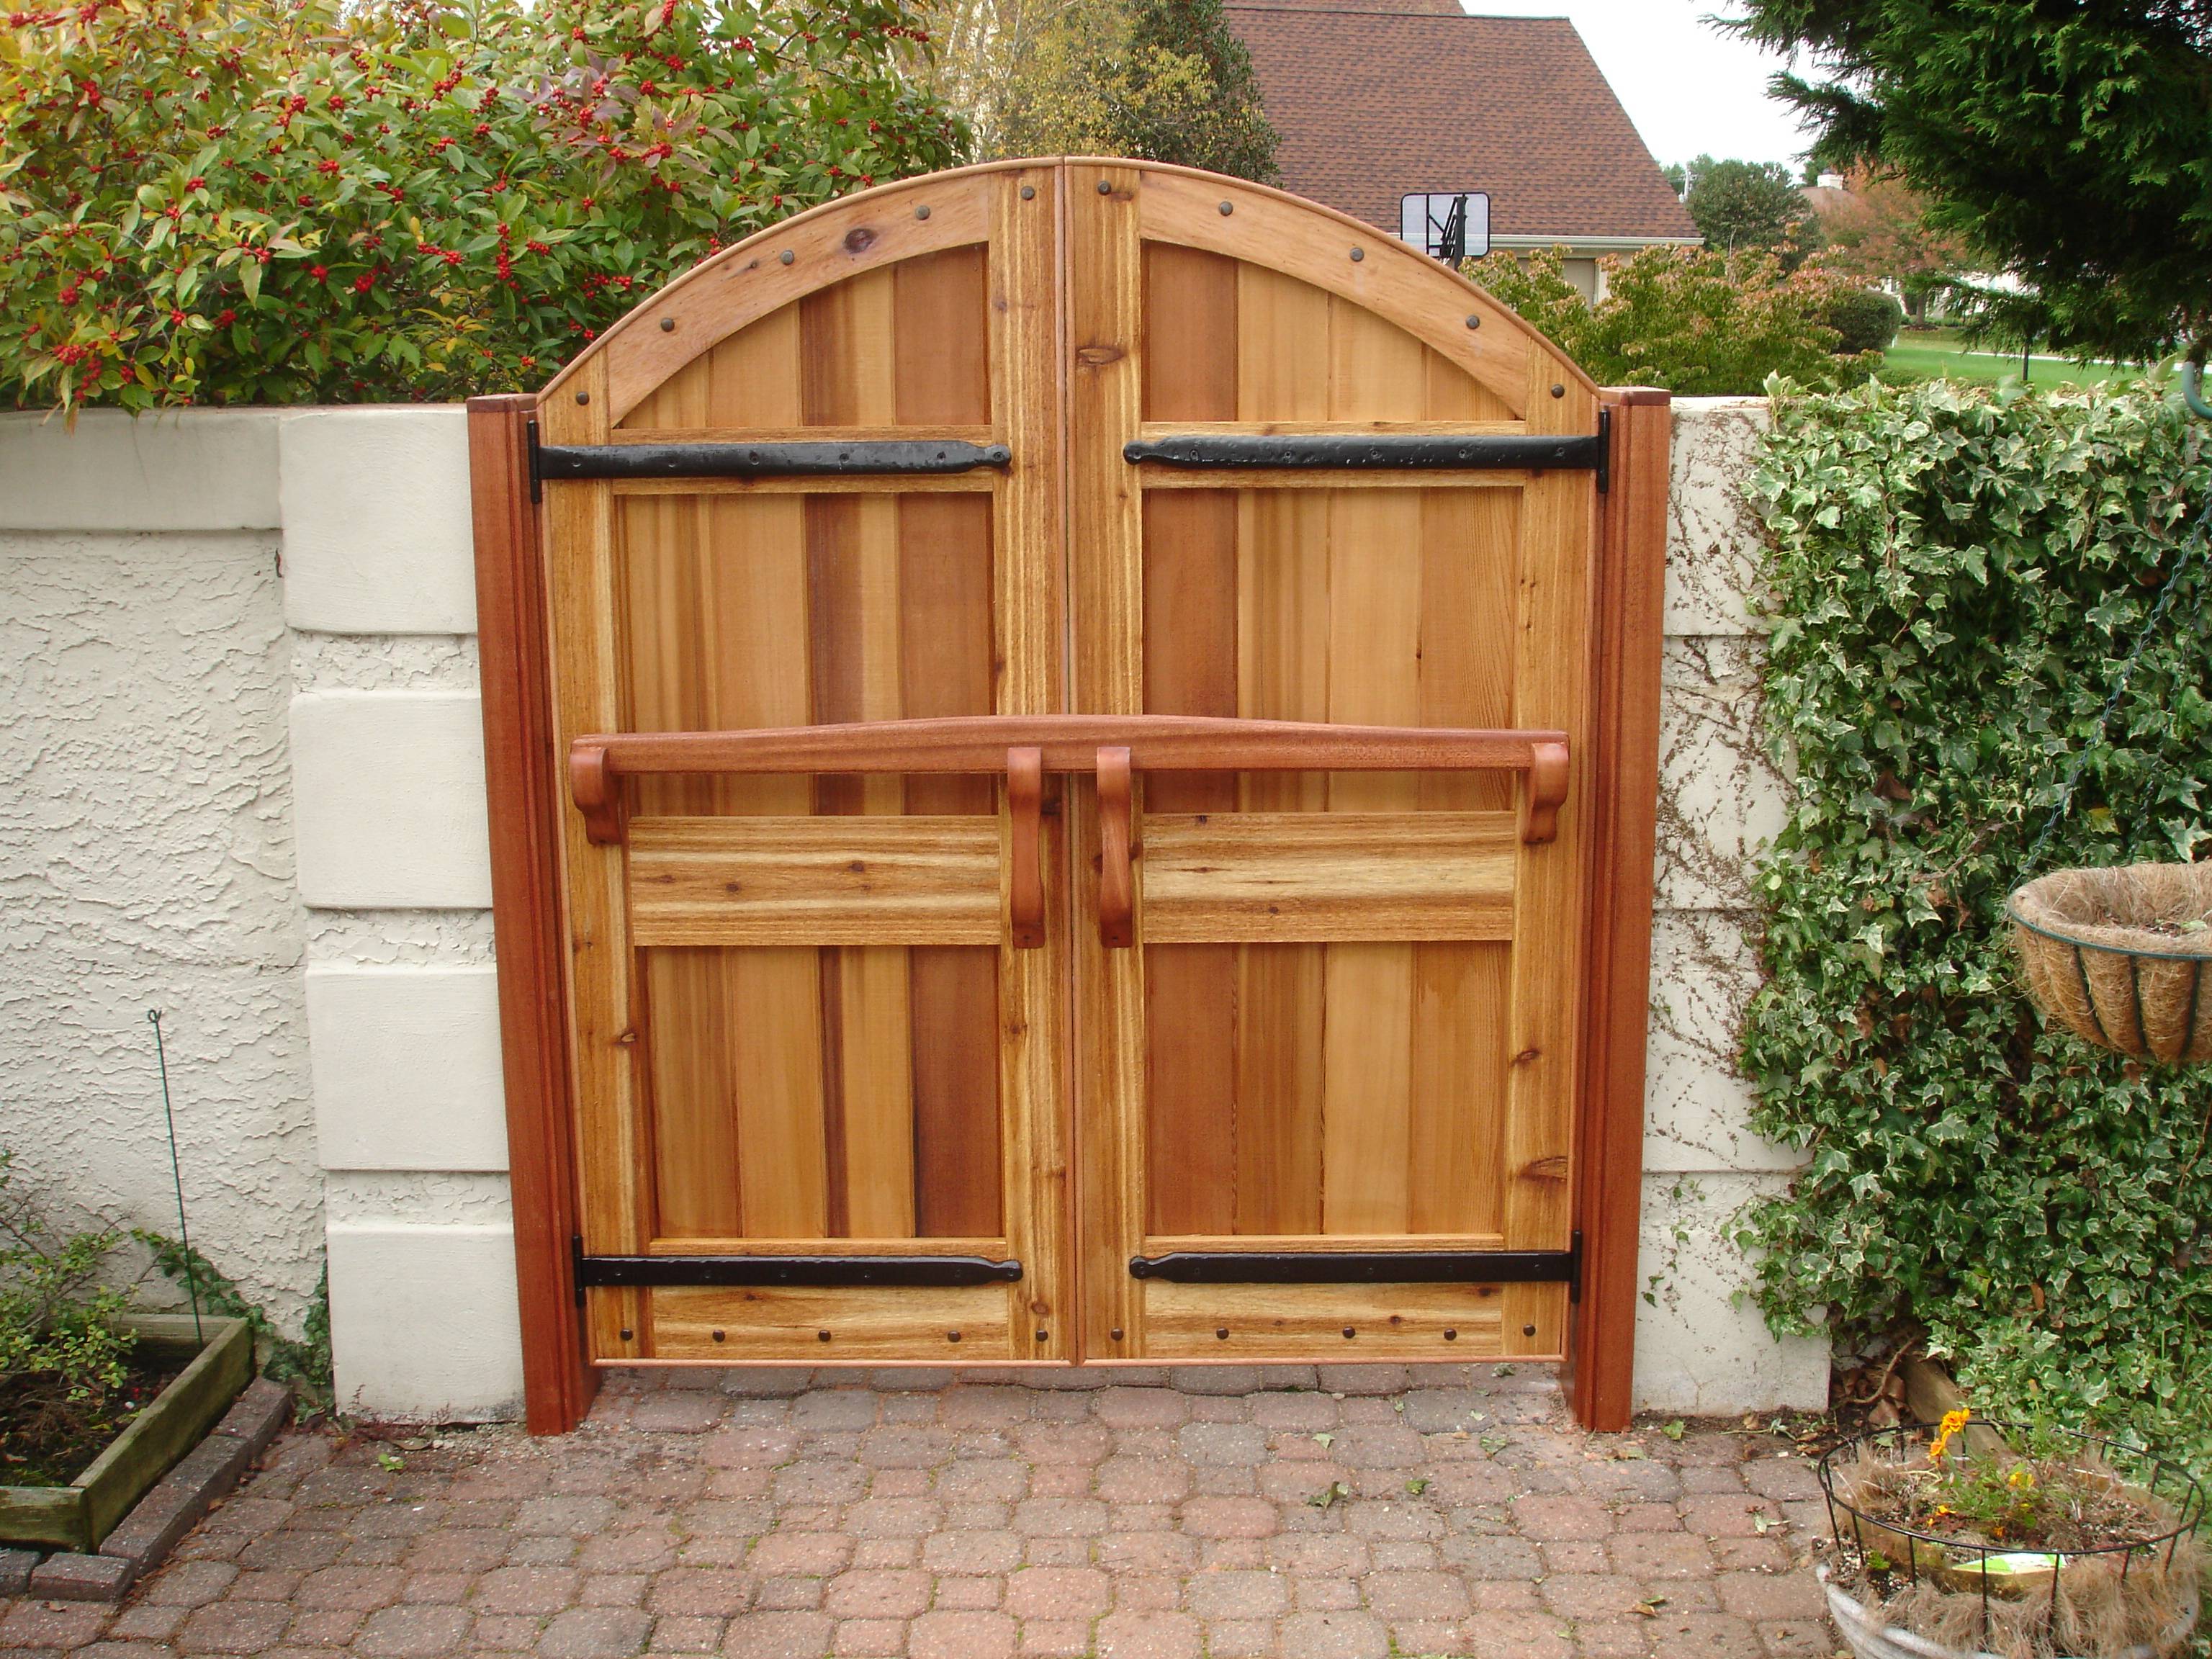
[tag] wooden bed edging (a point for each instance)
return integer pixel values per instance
(525, 786)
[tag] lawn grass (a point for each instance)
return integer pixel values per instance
(1936, 354)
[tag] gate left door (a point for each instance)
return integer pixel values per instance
(828, 1123)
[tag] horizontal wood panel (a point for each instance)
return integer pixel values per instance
(1263, 1243)
(1307, 1322)
(853, 432)
(1303, 877)
(1160, 476)
(982, 481)
(762, 1322)
(903, 1244)
(769, 881)
(1152, 431)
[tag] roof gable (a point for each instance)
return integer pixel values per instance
(1373, 99)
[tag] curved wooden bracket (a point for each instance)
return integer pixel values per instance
(1117, 881)
(1545, 793)
(592, 785)
(1025, 856)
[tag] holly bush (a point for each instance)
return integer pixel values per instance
(1699, 321)
(1955, 575)
(297, 201)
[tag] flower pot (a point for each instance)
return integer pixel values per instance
(2121, 957)
(79, 1515)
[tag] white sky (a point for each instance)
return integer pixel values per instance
(1691, 90)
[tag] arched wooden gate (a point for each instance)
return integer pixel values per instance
(1071, 747)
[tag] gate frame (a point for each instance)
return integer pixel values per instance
(526, 795)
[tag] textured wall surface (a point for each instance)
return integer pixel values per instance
(1700, 1346)
(145, 838)
(147, 856)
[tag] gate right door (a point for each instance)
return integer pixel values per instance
(1327, 1090)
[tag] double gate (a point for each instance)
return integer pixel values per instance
(1071, 780)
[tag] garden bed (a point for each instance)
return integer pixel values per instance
(204, 1378)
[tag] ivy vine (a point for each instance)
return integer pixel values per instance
(1954, 577)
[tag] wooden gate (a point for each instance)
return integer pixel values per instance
(1072, 751)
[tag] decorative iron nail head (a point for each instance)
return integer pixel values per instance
(1044, 1336)
(668, 325)
(1451, 1336)
(1349, 1333)
(629, 1335)
(821, 1336)
(1527, 1330)
(1559, 391)
(1474, 321)
(1228, 207)
(921, 212)
(1358, 254)
(1028, 192)
(1116, 1334)
(952, 1336)
(583, 397)
(1221, 1332)
(787, 256)
(720, 1337)
(1105, 187)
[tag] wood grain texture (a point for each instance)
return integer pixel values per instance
(524, 799)
(613, 1143)
(1631, 603)
(1308, 1322)
(814, 880)
(1283, 877)
(1104, 301)
(769, 1323)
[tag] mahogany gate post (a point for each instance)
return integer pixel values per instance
(522, 780)
(1631, 591)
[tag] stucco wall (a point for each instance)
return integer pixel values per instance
(255, 796)
(1700, 1347)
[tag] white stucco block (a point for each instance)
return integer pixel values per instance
(377, 536)
(179, 469)
(1714, 538)
(406, 1066)
(1722, 798)
(424, 1321)
(1698, 1104)
(1702, 1348)
(388, 791)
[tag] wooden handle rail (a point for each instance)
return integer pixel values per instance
(1025, 879)
(1117, 878)
(1069, 742)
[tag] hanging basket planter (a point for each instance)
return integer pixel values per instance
(2121, 957)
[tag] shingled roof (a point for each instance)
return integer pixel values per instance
(1374, 99)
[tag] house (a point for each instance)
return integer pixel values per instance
(1377, 98)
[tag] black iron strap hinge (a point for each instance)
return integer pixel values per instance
(890, 458)
(813, 1271)
(1383, 451)
(1368, 1267)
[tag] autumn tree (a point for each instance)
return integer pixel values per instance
(1876, 229)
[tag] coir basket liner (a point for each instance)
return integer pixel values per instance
(2123, 957)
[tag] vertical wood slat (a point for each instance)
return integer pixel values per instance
(1630, 622)
(1282, 668)
(1375, 602)
(612, 1142)
(1552, 678)
(1103, 286)
(1189, 632)
(522, 780)
(1027, 389)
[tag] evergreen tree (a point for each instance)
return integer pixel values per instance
(2065, 141)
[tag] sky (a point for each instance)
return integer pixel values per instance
(1691, 90)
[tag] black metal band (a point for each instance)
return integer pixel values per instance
(1364, 1267)
(889, 458)
(801, 1270)
(1376, 452)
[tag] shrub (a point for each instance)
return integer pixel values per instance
(1695, 320)
(62, 1348)
(1955, 575)
(286, 201)
(1864, 320)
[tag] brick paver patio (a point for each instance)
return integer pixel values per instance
(1350, 1514)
